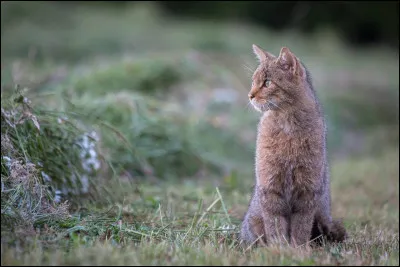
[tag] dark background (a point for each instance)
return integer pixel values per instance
(358, 22)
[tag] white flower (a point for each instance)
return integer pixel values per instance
(57, 197)
(85, 184)
(227, 228)
(7, 161)
(94, 135)
(45, 176)
(62, 119)
(89, 160)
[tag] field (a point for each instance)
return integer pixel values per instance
(168, 174)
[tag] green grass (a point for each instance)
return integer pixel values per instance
(176, 160)
(181, 224)
(145, 76)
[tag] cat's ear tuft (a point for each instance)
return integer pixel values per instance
(261, 54)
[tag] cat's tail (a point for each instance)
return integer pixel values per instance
(336, 233)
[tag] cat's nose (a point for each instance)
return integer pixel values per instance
(251, 96)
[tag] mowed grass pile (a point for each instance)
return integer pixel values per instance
(135, 157)
(133, 136)
(26, 145)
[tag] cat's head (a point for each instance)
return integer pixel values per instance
(278, 81)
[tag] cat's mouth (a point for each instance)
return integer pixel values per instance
(260, 107)
(264, 105)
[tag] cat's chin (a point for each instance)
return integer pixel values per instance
(259, 108)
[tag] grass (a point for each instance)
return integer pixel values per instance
(172, 224)
(170, 169)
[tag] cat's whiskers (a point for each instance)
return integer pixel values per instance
(272, 103)
(248, 105)
(248, 68)
(268, 106)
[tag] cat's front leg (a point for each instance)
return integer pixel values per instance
(275, 216)
(301, 223)
(276, 228)
(252, 230)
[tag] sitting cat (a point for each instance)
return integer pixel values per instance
(291, 201)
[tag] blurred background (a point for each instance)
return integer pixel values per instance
(164, 84)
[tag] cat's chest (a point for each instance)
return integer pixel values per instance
(287, 143)
(281, 147)
(286, 160)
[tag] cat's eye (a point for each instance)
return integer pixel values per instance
(267, 83)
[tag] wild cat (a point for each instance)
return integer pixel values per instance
(291, 201)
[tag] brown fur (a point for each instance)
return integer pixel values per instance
(291, 198)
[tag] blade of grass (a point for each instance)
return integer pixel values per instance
(223, 206)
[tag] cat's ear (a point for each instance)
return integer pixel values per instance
(261, 54)
(289, 61)
(286, 59)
